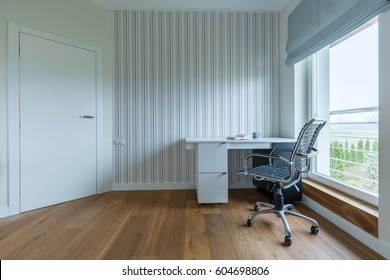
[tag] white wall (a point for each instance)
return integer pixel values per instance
(384, 128)
(79, 20)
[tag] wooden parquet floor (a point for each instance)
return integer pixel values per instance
(169, 225)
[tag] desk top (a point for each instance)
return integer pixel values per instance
(259, 143)
(224, 140)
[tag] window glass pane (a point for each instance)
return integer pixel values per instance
(353, 71)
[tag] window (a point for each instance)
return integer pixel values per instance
(345, 93)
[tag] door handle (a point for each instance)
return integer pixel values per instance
(88, 117)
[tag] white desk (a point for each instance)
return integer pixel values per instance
(211, 163)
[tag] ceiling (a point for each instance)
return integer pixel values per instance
(262, 5)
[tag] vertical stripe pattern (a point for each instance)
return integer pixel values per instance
(186, 74)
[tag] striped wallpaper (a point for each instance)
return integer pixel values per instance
(190, 74)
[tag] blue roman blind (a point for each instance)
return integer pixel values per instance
(314, 24)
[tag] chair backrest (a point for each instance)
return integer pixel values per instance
(304, 146)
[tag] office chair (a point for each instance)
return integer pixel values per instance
(284, 170)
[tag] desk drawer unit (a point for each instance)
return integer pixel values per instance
(212, 176)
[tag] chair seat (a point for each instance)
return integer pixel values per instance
(275, 172)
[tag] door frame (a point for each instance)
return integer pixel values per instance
(13, 110)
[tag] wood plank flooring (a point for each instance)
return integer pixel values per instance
(169, 225)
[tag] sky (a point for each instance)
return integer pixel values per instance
(354, 71)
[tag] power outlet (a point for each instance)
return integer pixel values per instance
(119, 142)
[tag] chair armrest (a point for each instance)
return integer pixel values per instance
(282, 150)
(312, 154)
(301, 154)
(245, 170)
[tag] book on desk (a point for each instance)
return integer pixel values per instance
(239, 137)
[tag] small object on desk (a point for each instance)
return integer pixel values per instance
(239, 137)
(256, 135)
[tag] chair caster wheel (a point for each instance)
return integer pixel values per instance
(288, 240)
(256, 208)
(314, 229)
(249, 222)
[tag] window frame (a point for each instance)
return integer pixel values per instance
(318, 64)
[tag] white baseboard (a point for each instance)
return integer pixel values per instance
(379, 246)
(4, 212)
(152, 187)
(173, 186)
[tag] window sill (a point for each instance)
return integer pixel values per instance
(351, 209)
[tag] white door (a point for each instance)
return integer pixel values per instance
(57, 124)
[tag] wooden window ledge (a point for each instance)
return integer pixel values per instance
(357, 212)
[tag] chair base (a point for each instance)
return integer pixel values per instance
(281, 210)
